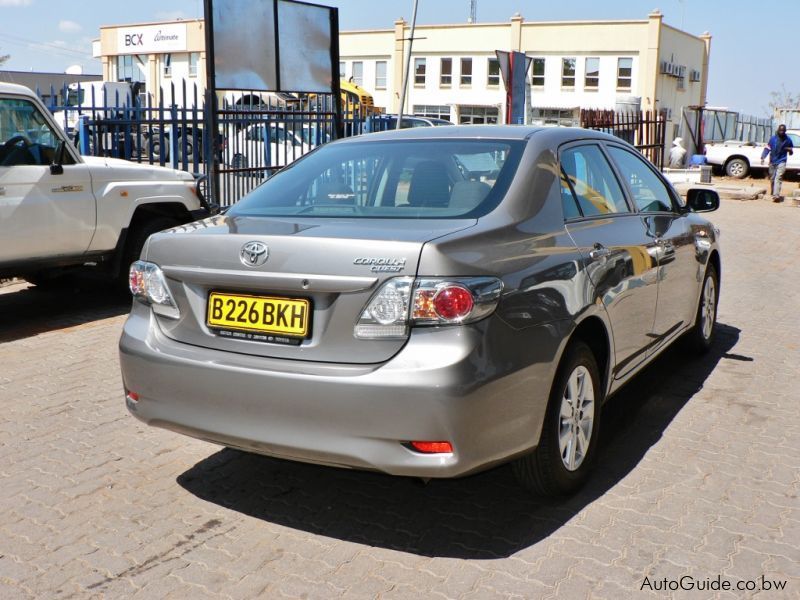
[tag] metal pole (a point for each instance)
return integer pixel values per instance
(408, 65)
(210, 111)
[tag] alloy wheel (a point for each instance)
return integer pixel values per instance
(708, 309)
(576, 418)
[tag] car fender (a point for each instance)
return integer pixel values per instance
(595, 311)
(117, 202)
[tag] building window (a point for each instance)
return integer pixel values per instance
(380, 75)
(567, 72)
(592, 79)
(682, 84)
(419, 71)
(358, 73)
(446, 72)
(555, 116)
(167, 63)
(432, 111)
(132, 67)
(478, 115)
(624, 73)
(342, 70)
(466, 71)
(493, 70)
(537, 72)
(194, 60)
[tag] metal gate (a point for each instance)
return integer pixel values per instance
(645, 130)
(258, 132)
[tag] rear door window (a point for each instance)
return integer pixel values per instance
(592, 181)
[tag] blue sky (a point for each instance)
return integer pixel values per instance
(749, 58)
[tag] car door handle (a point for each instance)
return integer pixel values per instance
(599, 251)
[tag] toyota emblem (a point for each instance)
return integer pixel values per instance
(254, 254)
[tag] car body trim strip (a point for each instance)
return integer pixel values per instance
(306, 282)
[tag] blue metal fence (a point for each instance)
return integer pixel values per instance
(259, 132)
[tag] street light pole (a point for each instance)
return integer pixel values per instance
(408, 65)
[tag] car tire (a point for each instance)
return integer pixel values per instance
(701, 336)
(737, 167)
(156, 150)
(189, 153)
(560, 464)
(136, 240)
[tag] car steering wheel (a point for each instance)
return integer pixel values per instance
(16, 139)
(10, 153)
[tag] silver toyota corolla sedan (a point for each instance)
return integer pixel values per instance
(427, 302)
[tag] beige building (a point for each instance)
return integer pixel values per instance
(611, 64)
(576, 64)
(156, 55)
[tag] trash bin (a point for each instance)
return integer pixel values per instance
(705, 173)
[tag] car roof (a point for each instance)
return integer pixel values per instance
(13, 88)
(551, 135)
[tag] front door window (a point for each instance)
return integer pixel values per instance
(648, 191)
(26, 137)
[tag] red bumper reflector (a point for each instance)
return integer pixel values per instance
(133, 396)
(433, 447)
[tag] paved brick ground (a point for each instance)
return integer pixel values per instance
(698, 475)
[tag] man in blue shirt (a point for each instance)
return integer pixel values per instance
(779, 148)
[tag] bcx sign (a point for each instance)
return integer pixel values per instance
(134, 39)
(147, 39)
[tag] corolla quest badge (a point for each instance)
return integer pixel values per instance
(254, 254)
(382, 265)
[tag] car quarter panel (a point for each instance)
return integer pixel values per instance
(547, 287)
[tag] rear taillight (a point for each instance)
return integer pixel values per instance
(148, 284)
(386, 314)
(403, 302)
(444, 302)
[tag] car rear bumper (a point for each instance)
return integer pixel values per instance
(442, 386)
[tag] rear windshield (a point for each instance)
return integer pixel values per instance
(409, 179)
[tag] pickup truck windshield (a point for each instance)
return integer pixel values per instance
(408, 179)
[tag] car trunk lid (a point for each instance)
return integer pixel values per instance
(332, 266)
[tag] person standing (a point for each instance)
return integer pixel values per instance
(779, 148)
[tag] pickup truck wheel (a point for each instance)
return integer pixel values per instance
(136, 240)
(568, 443)
(737, 167)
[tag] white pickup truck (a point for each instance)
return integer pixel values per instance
(737, 159)
(60, 210)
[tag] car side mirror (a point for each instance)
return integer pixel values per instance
(57, 166)
(702, 200)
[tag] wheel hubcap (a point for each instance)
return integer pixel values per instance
(576, 418)
(708, 308)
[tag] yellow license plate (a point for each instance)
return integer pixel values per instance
(259, 314)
